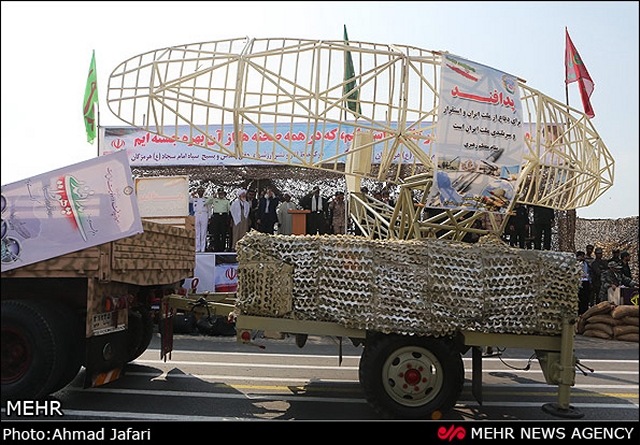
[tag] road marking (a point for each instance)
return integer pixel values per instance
(305, 398)
(167, 375)
(464, 404)
(148, 416)
(357, 357)
(284, 389)
(209, 395)
(176, 363)
(187, 418)
(246, 365)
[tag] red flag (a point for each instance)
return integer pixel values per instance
(577, 72)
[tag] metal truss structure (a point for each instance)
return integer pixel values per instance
(264, 83)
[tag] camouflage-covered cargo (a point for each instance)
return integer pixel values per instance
(423, 287)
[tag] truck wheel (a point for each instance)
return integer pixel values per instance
(72, 327)
(32, 362)
(140, 331)
(409, 377)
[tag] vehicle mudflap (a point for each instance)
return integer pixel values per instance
(106, 358)
(94, 379)
(167, 313)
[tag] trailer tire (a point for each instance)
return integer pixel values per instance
(410, 377)
(140, 331)
(32, 350)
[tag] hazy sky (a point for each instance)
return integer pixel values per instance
(46, 50)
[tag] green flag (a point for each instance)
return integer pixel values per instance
(350, 73)
(91, 98)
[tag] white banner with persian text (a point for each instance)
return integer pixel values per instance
(146, 149)
(67, 210)
(480, 141)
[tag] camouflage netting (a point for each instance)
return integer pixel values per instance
(428, 287)
(621, 233)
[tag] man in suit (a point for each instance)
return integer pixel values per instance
(317, 220)
(253, 210)
(267, 216)
(542, 222)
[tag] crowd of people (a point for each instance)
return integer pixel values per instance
(601, 277)
(221, 222)
(530, 227)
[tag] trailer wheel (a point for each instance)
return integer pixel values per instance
(32, 362)
(408, 377)
(140, 331)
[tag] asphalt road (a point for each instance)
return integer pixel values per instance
(215, 379)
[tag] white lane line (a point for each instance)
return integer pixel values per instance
(175, 363)
(293, 397)
(357, 357)
(221, 377)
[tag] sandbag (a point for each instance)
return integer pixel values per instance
(581, 324)
(600, 308)
(599, 327)
(604, 318)
(629, 337)
(596, 334)
(625, 310)
(622, 330)
(632, 321)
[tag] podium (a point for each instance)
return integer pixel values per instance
(628, 295)
(299, 221)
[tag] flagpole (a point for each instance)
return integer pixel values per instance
(566, 85)
(97, 108)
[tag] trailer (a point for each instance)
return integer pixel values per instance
(458, 141)
(414, 308)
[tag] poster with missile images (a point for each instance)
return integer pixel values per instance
(69, 209)
(480, 140)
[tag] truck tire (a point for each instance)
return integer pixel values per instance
(410, 377)
(72, 347)
(140, 331)
(33, 358)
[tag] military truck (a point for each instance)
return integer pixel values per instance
(80, 270)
